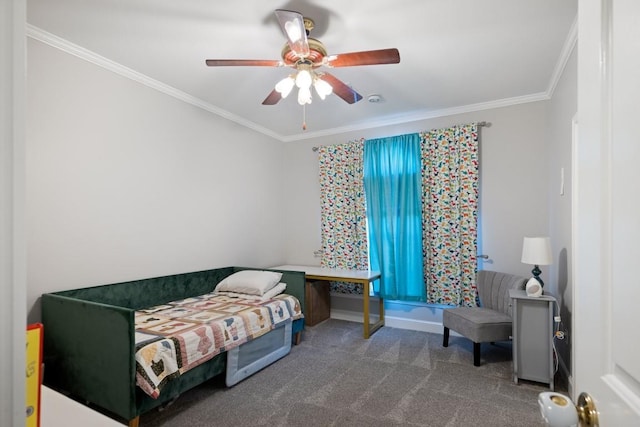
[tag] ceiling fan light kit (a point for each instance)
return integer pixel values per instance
(305, 55)
(303, 80)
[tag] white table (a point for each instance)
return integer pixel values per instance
(57, 410)
(359, 277)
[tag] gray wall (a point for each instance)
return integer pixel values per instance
(115, 195)
(125, 182)
(12, 207)
(560, 114)
(513, 183)
(521, 157)
(513, 187)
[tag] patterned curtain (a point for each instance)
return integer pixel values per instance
(343, 210)
(450, 212)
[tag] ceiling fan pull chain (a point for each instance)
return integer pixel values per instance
(304, 117)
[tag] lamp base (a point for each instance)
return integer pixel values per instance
(533, 288)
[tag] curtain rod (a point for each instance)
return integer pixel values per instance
(479, 124)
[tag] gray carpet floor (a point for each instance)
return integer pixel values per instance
(336, 378)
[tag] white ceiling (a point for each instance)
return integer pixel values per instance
(455, 55)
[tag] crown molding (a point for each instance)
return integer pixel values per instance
(421, 115)
(567, 49)
(80, 52)
(89, 56)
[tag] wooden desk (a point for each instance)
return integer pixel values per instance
(360, 277)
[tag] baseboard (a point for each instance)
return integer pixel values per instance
(416, 325)
(564, 372)
(351, 316)
(392, 322)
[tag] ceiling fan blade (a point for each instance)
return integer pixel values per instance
(245, 62)
(341, 89)
(367, 57)
(292, 26)
(273, 98)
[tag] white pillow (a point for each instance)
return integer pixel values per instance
(253, 282)
(275, 291)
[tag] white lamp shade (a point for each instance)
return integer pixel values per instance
(536, 251)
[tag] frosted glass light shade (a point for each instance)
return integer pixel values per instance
(304, 95)
(303, 79)
(323, 88)
(284, 86)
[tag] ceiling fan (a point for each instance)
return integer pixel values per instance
(305, 55)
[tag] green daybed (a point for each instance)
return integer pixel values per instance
(89, 348)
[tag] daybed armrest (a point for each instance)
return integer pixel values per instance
(89, 352)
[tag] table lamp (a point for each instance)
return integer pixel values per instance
(536, 251)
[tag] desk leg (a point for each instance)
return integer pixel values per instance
(368, 328)
(365, 308)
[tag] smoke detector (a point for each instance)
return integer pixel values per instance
(374, 99)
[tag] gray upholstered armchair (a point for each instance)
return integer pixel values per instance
(491, 322)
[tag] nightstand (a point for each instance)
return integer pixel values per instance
(532, 337)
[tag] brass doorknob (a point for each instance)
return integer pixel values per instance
(587, 413)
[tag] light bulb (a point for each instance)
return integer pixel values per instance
(322, 88)
(303, 79)
(304, 95)
(284, 86)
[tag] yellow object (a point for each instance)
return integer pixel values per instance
(34, 374)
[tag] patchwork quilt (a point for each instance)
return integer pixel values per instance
(175, 337)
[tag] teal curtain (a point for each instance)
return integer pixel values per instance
(392, 182)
